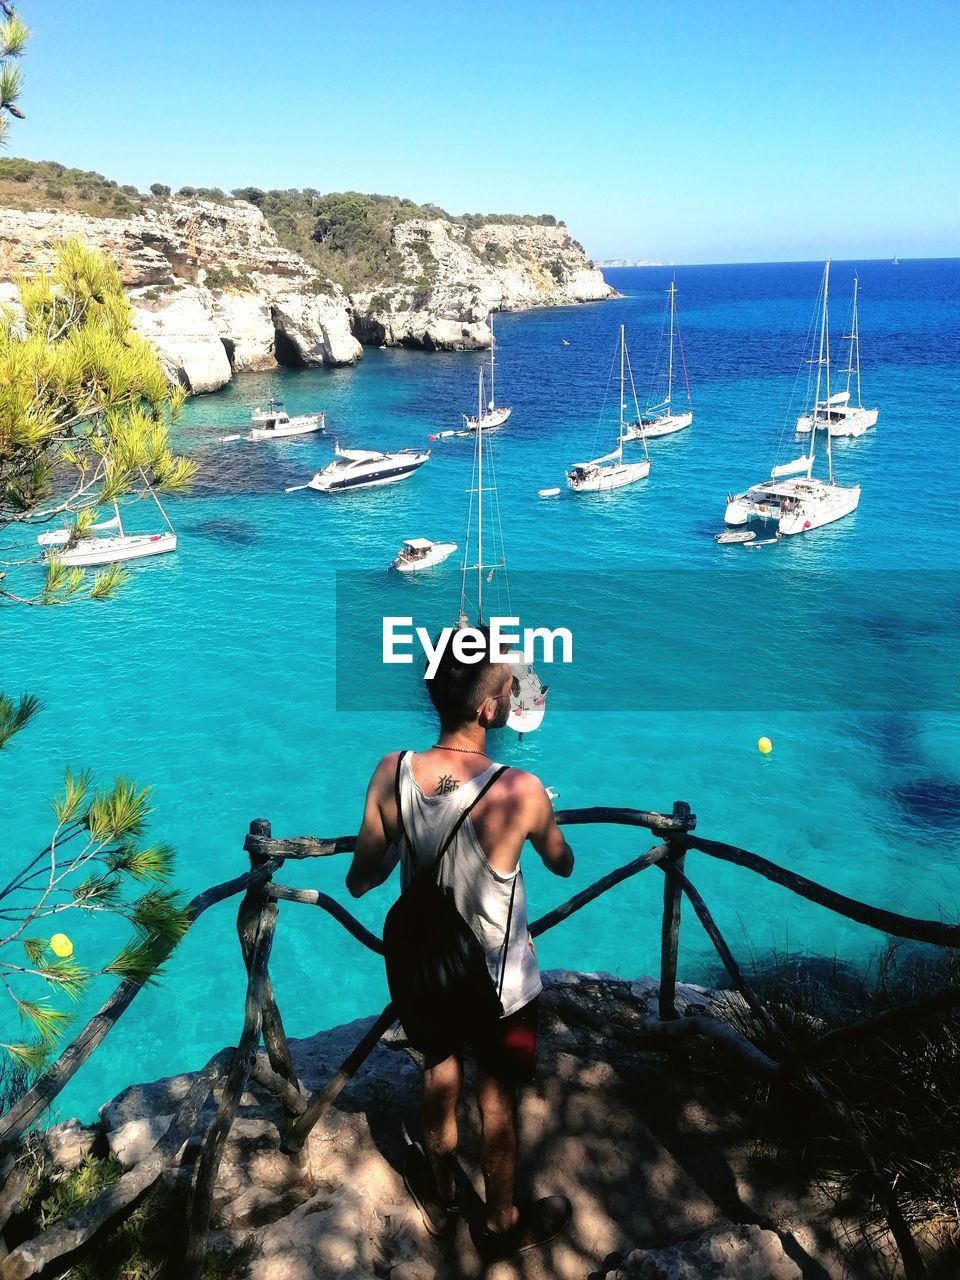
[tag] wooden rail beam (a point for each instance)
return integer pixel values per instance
(941, 935)
(47, 1086)
(670, 923)
(37, 1255)
(314, 898)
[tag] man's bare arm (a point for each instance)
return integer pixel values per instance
(373, 857)
(546, 837)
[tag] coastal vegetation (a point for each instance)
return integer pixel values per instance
(95, 867)
(85, 410)
(347, 236)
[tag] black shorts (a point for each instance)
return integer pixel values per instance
(506, 1049)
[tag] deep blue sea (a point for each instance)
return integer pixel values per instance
(214, 676)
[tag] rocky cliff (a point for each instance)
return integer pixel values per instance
(216, 293)
(674, 1174)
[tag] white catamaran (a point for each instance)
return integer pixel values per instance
(792, 497)
(528, 697)
(610, 471)
(837, 414)
(660, 419)
(488, 415)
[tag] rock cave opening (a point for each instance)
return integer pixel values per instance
(287, 352)
(230, 347)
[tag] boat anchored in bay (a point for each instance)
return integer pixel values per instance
(363, 468)
(421, 553)
(488, 416)
(793, 498)
(837, 414)
(660, 419)
(610, 471)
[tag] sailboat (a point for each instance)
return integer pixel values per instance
(488, 415)
(660, 419)
(86, 552)
(610, 471)
(792, 497)
(528, 695)
(838, 415)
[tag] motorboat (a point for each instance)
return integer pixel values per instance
(421, 553)
(363, 468)
(274, 422)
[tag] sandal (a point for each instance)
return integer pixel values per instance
(440, 1219)
(538, 1222)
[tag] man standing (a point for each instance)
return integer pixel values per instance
(413, 803)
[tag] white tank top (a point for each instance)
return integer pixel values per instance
(480, 894)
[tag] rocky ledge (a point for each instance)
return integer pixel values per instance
(672, 1176)
(216, 293)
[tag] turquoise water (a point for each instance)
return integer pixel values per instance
(213, 677)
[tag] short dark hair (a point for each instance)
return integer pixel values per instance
(457, 688)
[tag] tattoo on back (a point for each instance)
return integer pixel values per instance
(446, 784)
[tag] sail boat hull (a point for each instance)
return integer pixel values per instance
(601, 478)
(490, 421)
(832, 503)
(797, 506)
(664, 426)
(95, 551)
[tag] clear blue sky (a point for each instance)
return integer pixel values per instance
(687, 130)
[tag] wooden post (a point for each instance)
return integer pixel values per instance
(670, 926)
(215, 1139)
(248, 919)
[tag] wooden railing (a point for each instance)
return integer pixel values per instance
(256, 924)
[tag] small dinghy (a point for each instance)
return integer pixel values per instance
(735, 535)
(548, 493)
(528, 700)
(421, 553)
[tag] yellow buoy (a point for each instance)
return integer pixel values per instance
(61, 945)
(764, 746)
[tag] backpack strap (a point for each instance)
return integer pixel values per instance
(396, 792)
(466, 814)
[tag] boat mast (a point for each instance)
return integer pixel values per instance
(673, 290)
(816, 396)
(826, 335)
(620, 432)
(492, 344)
(856, 338)
(480, 510)
(116, 512)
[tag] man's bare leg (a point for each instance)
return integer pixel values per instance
(497, 1116)
(441, 1088)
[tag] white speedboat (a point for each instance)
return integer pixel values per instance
(793, 499)
(661, 419)
(274, 421)
(363, 468)
(488, 415)
(610, 471)
(421, 553)
(837, 414)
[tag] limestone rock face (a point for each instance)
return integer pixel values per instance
(317, 328)
(217, 294)
(456, 275)
(181, 330)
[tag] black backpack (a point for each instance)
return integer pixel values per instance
(436, 968)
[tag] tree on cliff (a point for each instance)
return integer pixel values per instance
(94, 864)
(13, 40)
(84, 411)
